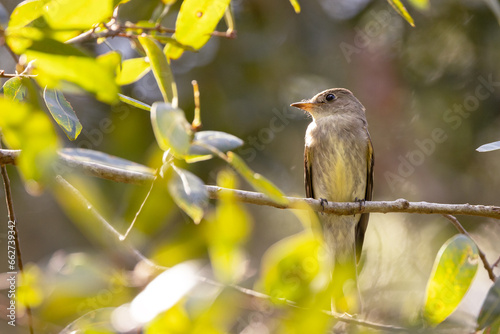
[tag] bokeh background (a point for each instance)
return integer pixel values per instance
(432, 96)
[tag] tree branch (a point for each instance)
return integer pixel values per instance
(340, 208)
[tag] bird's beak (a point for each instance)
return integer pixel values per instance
(307, 106)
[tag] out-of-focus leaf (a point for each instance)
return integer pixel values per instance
(401, 10)
(161, 70)
(196, 21)
(296, 6)
(171, 129)
(62, 112)
(29, 291)
(420, 4)
(26, 12)
(77, 14)
(14, 89)
(489, 147)
(132, 70)
(259, 182)
(495, 8)
(94, 322)
(454, 269)
(188, 192)
(92, 159)
(490, 311)
(134, 103)
(220, 140)
(292, 270)
(227, 231)
(56, 62)
(26, 128)
(174, 320)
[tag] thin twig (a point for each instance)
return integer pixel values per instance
(12, 219)
(14, 75)
(462, 230)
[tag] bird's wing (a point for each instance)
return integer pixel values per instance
(308, 172)
(363, 221)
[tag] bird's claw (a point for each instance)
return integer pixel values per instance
(323, 201)
(361, 202)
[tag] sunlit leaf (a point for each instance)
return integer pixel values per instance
(227, 231)
(420, 4)
(26, 128)
(401, 10)
(490, 311)
(188, 192)
(196, 21)
(259, 182)
(26, 12)
(174, 320)
(291, 268)
(161, 70)
(29, 291)
(220, 140)
(77, 14)
(489, 147)
(296, 6)
(132, 70)
(14, 89)
(105, 162)
(62, 112)
(134, 103)
(94, 322)
(69, 64)
(171, 129)
(454, 269)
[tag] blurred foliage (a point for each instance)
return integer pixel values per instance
(432, 97)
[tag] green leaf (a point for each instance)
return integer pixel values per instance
(62, 112)
(220, 140)
(92, 159)
(171, 129)
(132, 70)
(401, 10)
(227, 232)
(134, 103)
(25, 13)
(490, 311)
(454, 269)
(295, 5)
(291, 268)
(259, 182)
(68, 64)
(420, 4)
(195, 23)
(14, 89)
(489, 147)
(30, 130)
(161, 70)
(188, 192)
(77, 14)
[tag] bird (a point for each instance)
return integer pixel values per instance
(338, 167)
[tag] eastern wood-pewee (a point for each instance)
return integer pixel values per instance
(338, 162)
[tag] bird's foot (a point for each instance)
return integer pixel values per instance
(323, 201)
(361, 202)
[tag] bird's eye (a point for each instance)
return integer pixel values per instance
(330, 97)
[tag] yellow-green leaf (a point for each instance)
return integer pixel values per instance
(132, 70)
(420, 4)
(77, 14)
(171, 129)
(490, 311)
(401, 10)
(62, 112)
(196, 21)
(188, 192)
(30, 130)
(454, 269)
(295, 5)
(134, 103)
(25, 13)
(14, 89)
(290, 267)
(259, 182)
(161, 70)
